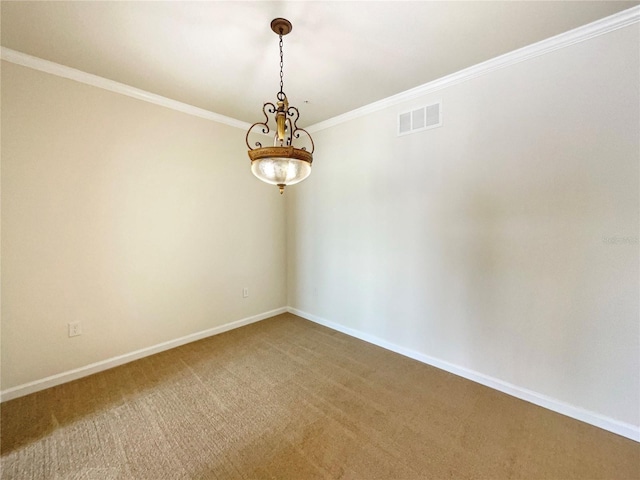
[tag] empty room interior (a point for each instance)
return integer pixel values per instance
(325, 239)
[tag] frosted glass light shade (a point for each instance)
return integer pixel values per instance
(280, 170)
(280, 166)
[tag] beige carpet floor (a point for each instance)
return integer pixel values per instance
(288, 399)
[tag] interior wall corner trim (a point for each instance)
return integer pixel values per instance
(596, 419)
(85, 371)
(562, 40)
(46, 66)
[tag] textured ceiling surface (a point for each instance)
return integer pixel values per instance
(223, 57)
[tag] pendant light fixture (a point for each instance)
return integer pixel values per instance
(284, 163)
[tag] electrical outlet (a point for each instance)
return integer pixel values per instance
(245, 292)
(74, 329)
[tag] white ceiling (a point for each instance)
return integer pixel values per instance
(223, 57)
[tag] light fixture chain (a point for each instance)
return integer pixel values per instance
(281, 66)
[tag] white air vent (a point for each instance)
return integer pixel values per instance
(420, 119)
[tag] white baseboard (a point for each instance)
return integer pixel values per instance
(621, 428)
(92, 368)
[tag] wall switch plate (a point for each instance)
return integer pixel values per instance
(245, 292)
(74, 329)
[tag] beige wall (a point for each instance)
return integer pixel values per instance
(487, 243)
(141, 222)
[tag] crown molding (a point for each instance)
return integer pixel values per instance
(53, 68)
(577, 35)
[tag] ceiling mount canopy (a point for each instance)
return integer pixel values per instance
(281, 26)
(283, 163)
